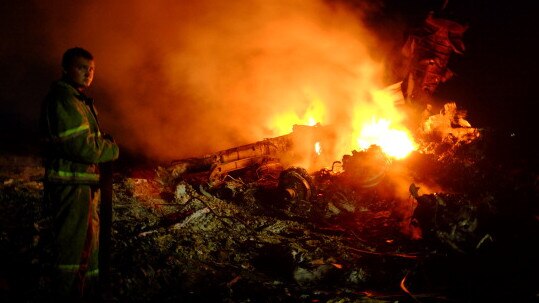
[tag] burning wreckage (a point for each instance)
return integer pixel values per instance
(270, 164)
(280, 220)
(272, 161)
(347, 226)
(290, 219)
(353, 230)
(262, 227)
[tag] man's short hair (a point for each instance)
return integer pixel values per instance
(73, 53)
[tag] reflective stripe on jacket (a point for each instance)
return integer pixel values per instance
(73, 143)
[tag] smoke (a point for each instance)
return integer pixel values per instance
(176, 79)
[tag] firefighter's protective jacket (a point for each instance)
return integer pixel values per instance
(73, 142)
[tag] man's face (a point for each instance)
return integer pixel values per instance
(81, 72)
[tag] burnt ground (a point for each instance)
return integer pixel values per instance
(472, 240)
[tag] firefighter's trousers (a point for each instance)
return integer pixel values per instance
(75, 238)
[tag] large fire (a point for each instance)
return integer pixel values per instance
(374, 123)
(397, 143)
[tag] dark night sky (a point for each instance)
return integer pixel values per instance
(496, 79)
(497, 74)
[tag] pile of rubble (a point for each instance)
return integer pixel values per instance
(190, 244)
(350, 236)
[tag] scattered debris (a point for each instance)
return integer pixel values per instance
(267, 158)
(428, 51)
(448, 126)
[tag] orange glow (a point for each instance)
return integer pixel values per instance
(282, 124)
(394, 142)
(380, 123)
(230, 73)
(373, 119)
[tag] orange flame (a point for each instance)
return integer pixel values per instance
(380, 125)
(366, 129)
(314, 113)
(318, 148)
(397, 143)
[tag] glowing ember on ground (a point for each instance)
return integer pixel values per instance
(395, 143)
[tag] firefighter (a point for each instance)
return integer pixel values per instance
(73, 147)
